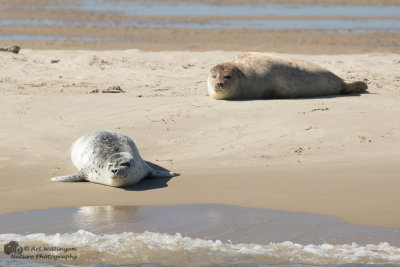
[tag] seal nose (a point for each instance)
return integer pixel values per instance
(220, 84)
(114, 171)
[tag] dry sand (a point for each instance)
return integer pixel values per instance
(336, 156)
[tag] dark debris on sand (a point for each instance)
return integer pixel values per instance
(110, 90)
(13, 49)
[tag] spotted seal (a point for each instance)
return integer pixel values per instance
(109, 158)
(258, 76)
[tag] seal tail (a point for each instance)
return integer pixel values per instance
(162, 174)
(78, 177)
(354, 87)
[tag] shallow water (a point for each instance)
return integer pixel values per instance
(159, 8)
(195, 235)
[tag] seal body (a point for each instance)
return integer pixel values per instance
(258, 76)
(109, 158)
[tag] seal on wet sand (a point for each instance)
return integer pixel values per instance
(109, 158)
(259, 76)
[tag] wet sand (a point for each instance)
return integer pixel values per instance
(289, 41)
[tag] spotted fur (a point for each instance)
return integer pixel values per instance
(109, 158)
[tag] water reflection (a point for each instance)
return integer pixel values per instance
(104, 218)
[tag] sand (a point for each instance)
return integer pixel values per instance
(336, 156)
(284, 41)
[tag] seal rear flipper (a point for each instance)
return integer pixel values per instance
(78, 177)
(162, 174)
(354, 87)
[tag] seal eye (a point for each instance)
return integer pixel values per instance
(125, 164)
(214, 76)
(227, 77)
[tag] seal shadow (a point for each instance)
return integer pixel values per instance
(303, 98)
(149, 183)
(334, 96)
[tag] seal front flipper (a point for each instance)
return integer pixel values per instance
(162, 174)
(78, 177)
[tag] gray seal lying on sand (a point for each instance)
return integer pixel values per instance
(109, 158)
(257, 76)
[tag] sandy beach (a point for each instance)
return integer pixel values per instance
(335, 156)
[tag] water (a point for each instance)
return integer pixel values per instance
(164, 249)
(155, 8)
(199, 235)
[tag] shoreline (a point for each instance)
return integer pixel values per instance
(227, 223)
(210, 234)
(196, 40)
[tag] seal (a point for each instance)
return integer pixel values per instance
(259, 76)
(109, 158)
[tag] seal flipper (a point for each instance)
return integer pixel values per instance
(78, 177)
(354, 87)
(162, 174)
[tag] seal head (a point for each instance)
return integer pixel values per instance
(120, 168)
(224, 81)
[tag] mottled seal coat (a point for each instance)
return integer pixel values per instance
(257, 76)
(109, 158)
